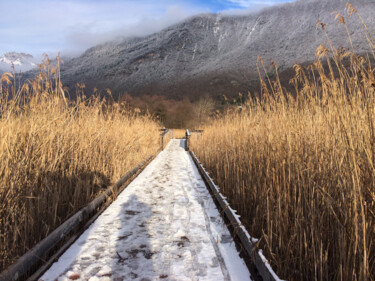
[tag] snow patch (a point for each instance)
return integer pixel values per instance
(163, 226)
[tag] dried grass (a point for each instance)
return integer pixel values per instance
(57, 155)
(179, 133)
(300, 168)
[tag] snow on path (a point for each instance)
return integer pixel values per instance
(163, 226)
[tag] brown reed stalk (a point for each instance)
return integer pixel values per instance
(57, 155)
(299, 168)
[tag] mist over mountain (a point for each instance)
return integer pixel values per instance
(217, 54)
(20, 62)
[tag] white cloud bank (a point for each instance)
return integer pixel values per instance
(71, 26)
(91, 34)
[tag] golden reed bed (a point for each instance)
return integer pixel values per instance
(57, 155)
(300, 169)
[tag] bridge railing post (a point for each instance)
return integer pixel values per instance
(162, 135)
(187, 136)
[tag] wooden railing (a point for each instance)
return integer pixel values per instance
(256, 262)
(33, 264)
(163, 136)
(188, 134)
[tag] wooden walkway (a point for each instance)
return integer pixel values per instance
(163, 226)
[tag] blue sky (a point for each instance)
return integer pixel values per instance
(71, 26)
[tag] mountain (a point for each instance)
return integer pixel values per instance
(217, 54)
(20, 61)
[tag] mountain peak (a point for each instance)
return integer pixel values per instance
(217, 54)
(21, 61)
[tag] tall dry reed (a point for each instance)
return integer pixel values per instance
(300, 168)
(57, 155)
(179, 133)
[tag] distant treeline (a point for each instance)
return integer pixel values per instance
(177, 113)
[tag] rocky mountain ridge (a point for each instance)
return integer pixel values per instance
(217, 54)
(20, 61)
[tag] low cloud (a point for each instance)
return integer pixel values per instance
(257, 3)
(71, 26)
(88, 35)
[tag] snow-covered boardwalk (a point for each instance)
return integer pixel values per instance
(163, 226)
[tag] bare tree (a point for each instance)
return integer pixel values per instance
(204, 108)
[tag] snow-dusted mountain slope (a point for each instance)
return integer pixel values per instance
(20, 61)
(217, 53)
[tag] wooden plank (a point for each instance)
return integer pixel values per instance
(264, 271)
(61, 250)
(24, 265)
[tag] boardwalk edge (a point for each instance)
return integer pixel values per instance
(258, 262)
(26, 267)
